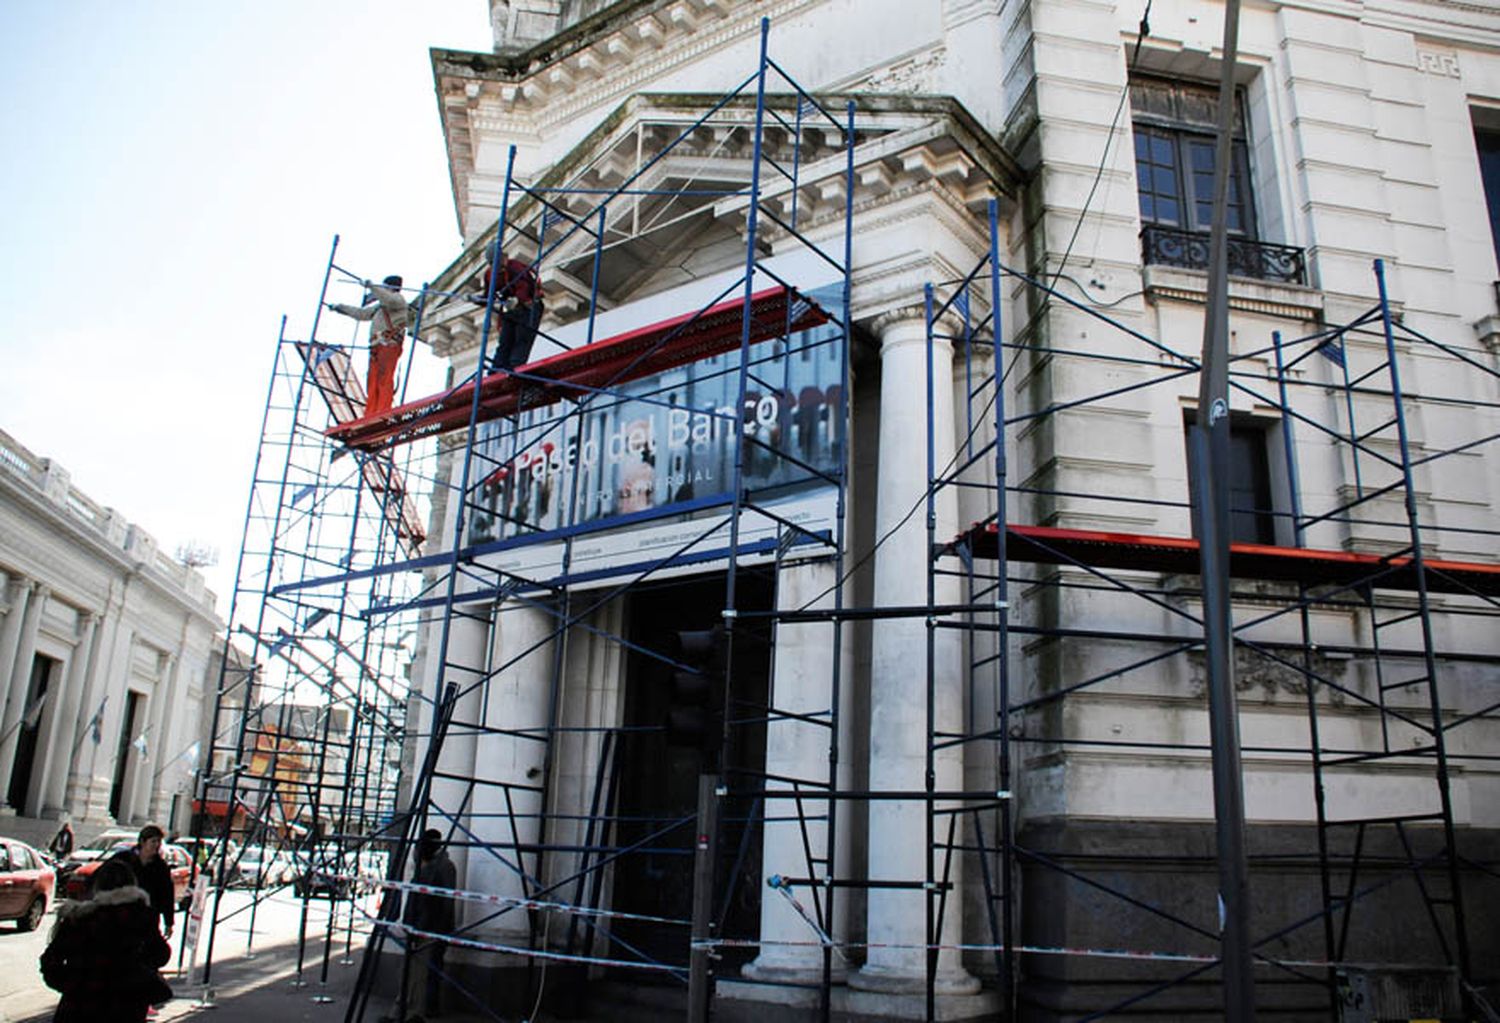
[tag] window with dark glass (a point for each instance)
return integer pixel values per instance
(1252, 515)
(1175, 126)
(1487, 141)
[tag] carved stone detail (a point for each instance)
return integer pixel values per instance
(914, 75)
(1255, 670)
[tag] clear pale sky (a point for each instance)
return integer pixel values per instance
(173, 174)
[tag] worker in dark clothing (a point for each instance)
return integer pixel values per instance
(432, 913)
(152, 873)
(518, 296)
(61, 846)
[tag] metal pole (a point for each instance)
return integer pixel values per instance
(1210, 468)
(705, 853)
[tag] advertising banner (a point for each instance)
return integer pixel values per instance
(667, 441)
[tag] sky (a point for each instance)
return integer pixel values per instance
(172, 177)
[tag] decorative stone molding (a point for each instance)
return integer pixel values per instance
(1289, 301)
(1487, 330)
(913, 75)
(1274, 676)
(1439, 62)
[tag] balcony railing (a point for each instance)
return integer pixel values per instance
(1167, 246)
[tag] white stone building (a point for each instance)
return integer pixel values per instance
(104, 651)
(1364, 131)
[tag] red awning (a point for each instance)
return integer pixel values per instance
(632, 355)
(1179, 554)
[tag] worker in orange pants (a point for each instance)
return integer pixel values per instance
(389, 315)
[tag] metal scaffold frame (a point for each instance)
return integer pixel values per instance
(546, 405)
(1393, 588)
(309, 715)
(333, 543)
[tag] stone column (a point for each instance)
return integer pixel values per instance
(59, 725)
(898, 671)
(80, 772)
(468, 637)
(509, 765)
(114, 682)
(10, 638)
(142, 796)
(802, 683)
(20, 679)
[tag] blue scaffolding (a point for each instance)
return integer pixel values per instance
(1372, 553)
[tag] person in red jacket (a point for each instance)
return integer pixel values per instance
(389, 315)
(518, 296)
(104, 954)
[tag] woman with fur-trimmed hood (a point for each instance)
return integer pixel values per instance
(104, 954)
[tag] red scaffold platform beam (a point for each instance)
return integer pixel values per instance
(1179, 554)
(610, 362)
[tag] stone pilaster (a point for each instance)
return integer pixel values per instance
(59, 725)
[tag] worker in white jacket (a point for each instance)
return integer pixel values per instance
(389, 315)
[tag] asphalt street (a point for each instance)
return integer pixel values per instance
(254, 976)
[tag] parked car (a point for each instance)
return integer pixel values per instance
(101, 846)
(326, 871)
(26, 884)
(259, 867)
(204, 851)
(78, 878)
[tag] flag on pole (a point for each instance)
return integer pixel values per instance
(1333, 350)
(140, 745)
(193, 751)
(96, 725)
(33, 715)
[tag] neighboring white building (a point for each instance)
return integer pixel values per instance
(104, 649)
(1365, 131)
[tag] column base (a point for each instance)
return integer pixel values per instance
(887, 981)
(768, 971)
(950, 1008)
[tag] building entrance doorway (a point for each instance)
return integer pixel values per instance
(26, 742)
(129, 727)
(658, 784)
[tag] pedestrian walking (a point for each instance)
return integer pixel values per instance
(103, 954)
(152, 874)
(61, 846)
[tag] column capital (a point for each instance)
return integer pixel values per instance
(894, 319)
(908, 323)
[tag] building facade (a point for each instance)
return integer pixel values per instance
(1362, 132)
(104, 649)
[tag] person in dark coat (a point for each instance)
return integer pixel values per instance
(61, 845)
(432, 913)
(104, 954)
(152, 873)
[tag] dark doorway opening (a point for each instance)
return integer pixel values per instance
(122, 751)
(659, 781)
(31, 725)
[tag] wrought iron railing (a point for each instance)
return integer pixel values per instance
(1167, 246)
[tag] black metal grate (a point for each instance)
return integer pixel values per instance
(1167, 246)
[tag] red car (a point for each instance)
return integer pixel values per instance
(77, 878)
(26, 884)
